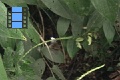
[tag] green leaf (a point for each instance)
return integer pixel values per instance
(95, 21)
(20, 48)
(51, 78)
(7, 42)
(32, 33)
(85, 45)
(3, 75)
(15, 34)
(29, 1)
(77, 24)
(15, 3)
(26, 66)
(72, 47)
(4, 31)
(39, 67)
(54, 55)
(58, 72)
(8, 58)
(81, 7)
(107, 8)
(58, 7)
(28, 45)
(62, 26)
(109, 31)
(36, 77)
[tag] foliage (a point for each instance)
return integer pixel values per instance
(82, 24)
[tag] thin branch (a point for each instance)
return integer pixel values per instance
(48, 66)
(62, 38)
(41, 17)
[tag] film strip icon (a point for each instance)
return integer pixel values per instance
(17, 17)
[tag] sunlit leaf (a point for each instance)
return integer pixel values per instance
(3, 75)
(89, 40)
(32, 33)
(8, 58)
(4, 31)
(20, 48)
(79, 45)
(79, 39)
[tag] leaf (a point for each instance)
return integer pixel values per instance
(95, 21)
(109, 31)
(7, 42)
(72, 48)
(20, 48)
(36, 77)
(58, 72)
(8, 58)
(28, 45)
(77, 24)
(23, 3)
(26, 66)
(79, 39)
(54, 55)
(78, 42)
(85, 45)
(89, 40)
(3, 75)
(32, 33)
(15, 3)
(62, 26)
(79, 45)
(107, 8)
(58, 7)
(81, 7)
(15, 34)
(39, 67)
(51, 78)
(29, 1)
(5, 32)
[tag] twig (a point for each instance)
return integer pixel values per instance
(63, 38)
(48, 66)
(63, 51)
(43, 31)
(46, 46)
(37, 25)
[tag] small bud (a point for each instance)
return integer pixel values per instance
(53, 40)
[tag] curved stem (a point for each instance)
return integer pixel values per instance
(62, 38)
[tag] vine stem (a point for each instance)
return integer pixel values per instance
(62, 38)
(90, 71)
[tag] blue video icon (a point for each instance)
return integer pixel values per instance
(17, 17)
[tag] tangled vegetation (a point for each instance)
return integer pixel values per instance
(65, 40)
